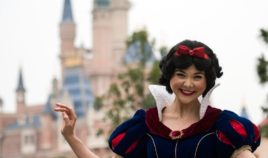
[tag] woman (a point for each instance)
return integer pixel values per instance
(181, 125)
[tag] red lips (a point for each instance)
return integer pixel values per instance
(187, 93)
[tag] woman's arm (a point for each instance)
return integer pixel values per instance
(67, 131)
(243, 152)
(79, 148)
(246, 154)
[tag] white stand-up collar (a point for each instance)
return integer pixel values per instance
(163, 99)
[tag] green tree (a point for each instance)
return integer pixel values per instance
(262, 70)
(262, 67)
(130, 92)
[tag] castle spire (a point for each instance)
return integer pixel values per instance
(244, 112)
(67, 11)
(20, 96)
(20, 87)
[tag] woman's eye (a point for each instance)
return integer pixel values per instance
(198, 77)
(180, 74)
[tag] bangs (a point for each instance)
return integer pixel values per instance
(201, 64)
(182, 62)
(186, 61)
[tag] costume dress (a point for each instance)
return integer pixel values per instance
(216, 135)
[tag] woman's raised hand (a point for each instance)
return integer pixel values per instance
(69, 118)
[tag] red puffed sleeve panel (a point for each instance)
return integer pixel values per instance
(234, 131)
(129, 139)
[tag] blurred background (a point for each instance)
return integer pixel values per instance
(99, 56)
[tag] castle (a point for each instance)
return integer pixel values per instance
(33, 131)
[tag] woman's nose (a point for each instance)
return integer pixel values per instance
(188, 83)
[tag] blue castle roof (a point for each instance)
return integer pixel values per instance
(134, 54)
(29, 122)
(102, 3)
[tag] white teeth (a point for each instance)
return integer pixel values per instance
(187, 92)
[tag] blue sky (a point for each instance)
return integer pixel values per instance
(29, 38)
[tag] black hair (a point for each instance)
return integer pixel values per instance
(171, 61)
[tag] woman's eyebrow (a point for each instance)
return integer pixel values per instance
(179, 70)
(199, 72)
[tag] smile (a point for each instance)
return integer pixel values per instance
(186, 92)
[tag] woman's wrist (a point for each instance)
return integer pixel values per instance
(69, 137)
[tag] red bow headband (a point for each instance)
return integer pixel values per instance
(197, 52)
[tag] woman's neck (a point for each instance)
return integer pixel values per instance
(184, 110)
(178, 117)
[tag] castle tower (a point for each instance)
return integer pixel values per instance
(110, 25)
(75, 81)
(119, 10)
(20, 96)
(67, 35)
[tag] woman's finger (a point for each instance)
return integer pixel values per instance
(63, 108)
(59, 107)
(65, 116)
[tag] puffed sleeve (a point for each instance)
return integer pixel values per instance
(235, 132)
(129, 139)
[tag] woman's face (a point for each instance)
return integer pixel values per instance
(188, 84)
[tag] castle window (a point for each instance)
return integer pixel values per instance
(28, 145)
